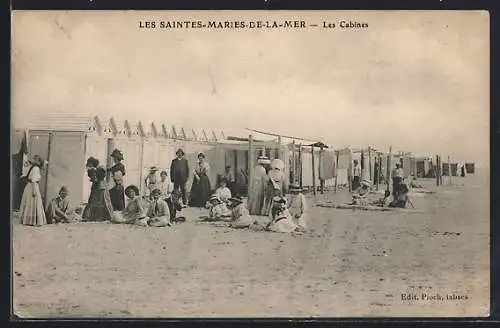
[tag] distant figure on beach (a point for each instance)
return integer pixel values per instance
(384, 201)
(179, 173)
(359, 196)
(397, 179)
(356, 175)
(258, 183)
(401, 199)
(297, 206)
(32, 209)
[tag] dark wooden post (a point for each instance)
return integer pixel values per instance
(313, 171)
(370, 163)
(47, 167)
(320, 173)
(378, 162)
(336, 168)
(389, 171)
(300, 166)
(294, 164)
(436, 171)
(449, 171)
(251, 161)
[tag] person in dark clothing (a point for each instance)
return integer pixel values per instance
(175, 205)
(117, 157)
(117, 172)
(179, 173)
(117, 194)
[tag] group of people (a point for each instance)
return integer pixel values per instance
(110, 200)
(286, 214)
(362, 188)
(267, 198)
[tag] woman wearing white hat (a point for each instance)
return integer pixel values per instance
(257, 186)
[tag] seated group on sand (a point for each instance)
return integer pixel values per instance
(288, 214)
(399, 200)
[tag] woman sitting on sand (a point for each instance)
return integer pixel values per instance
(134, 212)
(384, 201)
(360, 195)
(158, 213)
(240, 215)
(59, 209)
(281, 220)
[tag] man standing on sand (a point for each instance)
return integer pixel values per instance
(397, 180)
(179, 173)
(356, 175)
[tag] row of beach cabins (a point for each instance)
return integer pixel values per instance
(67, 141)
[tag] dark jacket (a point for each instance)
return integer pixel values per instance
(179, 170)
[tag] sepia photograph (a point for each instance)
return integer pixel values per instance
(250, 164)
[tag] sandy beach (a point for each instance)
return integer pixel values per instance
(352, 263)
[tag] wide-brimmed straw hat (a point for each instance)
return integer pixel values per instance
(153, 168)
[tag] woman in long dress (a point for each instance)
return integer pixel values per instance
(276, 180)
(32, 209)
(99, 206)
(257, 186)
(201, 188)
(117, 172)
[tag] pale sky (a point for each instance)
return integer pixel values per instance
(418, 81)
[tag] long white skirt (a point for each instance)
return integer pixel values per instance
(32, 211)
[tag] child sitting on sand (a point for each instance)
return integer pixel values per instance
(297, 206)
(134, 212)
(281, 220)
(239, 214)
(59, 209)
(223, 191)
(217, 210)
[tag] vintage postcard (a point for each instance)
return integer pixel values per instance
(250, 164)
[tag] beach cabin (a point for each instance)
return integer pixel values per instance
(65, 141)
(470, 168)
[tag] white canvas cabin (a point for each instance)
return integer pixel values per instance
(65, 142)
